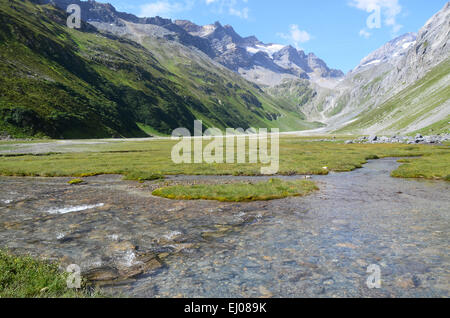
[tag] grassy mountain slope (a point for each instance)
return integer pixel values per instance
(64, 83)
(229, 99)
(419, 107)
(404, 89)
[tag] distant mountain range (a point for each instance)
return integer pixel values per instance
(266, 64)
(67, 83)
(121, 75)
(261, 63)
(403, 87)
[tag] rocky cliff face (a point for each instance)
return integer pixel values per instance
(432, 47)
(401, 87)
(267, 64)
(137, 80)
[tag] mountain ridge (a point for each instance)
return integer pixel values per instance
(155, 74)
(403, 93)
(221, 43)
(65, 83)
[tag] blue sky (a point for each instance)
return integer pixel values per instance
(338, 31)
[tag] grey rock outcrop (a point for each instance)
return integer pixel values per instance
(418, 139)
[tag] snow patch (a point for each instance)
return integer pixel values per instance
(408, 44)
(372, 62)
(270, 49)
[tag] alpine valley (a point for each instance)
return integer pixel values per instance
(124, 76)
(96, 200)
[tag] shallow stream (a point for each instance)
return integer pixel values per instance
(315, 246)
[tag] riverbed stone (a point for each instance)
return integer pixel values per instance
(101, 274)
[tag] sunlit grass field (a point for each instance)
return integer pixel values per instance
(148, 158)
(239, 192)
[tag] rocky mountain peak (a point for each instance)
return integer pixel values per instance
(389, 52)
(320, 67)
(157, 21)
(188, 26)
(251, 40)
(293, 60)
(287, 50)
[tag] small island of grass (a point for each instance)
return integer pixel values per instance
(239, 192)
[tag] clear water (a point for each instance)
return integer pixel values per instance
(315, 246)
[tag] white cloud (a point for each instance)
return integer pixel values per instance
(364, 33)
(165, 8)
(171, 8)
(390, 9)
(239, 13)
(296, 36)
(230, 6)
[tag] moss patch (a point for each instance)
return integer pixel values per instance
(75, 181)
(142, 176)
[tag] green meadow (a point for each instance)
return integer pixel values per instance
(151, 159)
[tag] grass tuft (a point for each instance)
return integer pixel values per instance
(26, 277)
(75, 181)
(142, 176)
